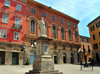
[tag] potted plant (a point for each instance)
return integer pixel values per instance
(86, 64)
(27, 62)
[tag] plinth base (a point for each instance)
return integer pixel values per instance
(44, 72)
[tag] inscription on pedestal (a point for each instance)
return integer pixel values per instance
(45, 49)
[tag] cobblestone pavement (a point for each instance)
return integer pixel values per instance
(65, 68)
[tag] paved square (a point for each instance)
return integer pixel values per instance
(65, 68)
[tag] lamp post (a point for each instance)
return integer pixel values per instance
(80, 51)
(34, 46)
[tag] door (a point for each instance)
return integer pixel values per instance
(15, 58)
(72, 58)
(2, 57)
(64, 57)
(97, 57)
(55, 58)
(32, 57)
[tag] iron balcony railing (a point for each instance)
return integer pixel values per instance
(16, 26)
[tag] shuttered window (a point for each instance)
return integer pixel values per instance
(7, 3)
(19, 7)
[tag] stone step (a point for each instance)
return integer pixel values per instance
(44, 72)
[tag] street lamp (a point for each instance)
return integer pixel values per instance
(80, 51)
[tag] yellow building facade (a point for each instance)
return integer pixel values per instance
(94, 29)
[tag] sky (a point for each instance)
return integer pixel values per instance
(83, 10)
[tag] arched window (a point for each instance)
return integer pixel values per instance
(62, 32)
(69, 32)
(75, 36)
(32, 26)
(54, 30)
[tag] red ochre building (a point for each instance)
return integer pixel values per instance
(12, 31)
(63, 29)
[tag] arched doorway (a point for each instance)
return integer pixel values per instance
(32, 57)
(64, 57)
(72, 58)
(55, 58)
(2, 57)
(97, 57)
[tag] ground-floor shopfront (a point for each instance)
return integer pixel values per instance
(96, 56)
(11, 54)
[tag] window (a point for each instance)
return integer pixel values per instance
(5, 18)
(32, 26)
(54, 30)
(16, 35)
(92, 28)
(61, 20)
(17, 22)
(33, 10)
(3, 33)
(99, 34)
(46, 29)
(53, 18)
(19, 7)
(43, 14)
(95, 46)
(32, 42)
(63, 47)
(98, 24)
(68, 23)
(93, 37)
(62, 32)
(87, 40)
(55, 46)
(7, 3)
(69, 34)
(82, 39)
(74, 26)
(76, 36)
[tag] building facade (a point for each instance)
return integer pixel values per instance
(86, 48)
(12, 31)
(60, 27)
(94, 29)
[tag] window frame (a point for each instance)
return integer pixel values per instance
(18, 8)
(34, 26)
(33, 9)
(54, 18)
(14, 35)
(63, 33)
(6, 5)
(94, 36)
(70, 38)
(61, 21)
(43, 15)
(68, 24)
(53, 31)
(7, 18)
(74, 26)
(3, 35)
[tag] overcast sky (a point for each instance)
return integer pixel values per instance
(83, 10)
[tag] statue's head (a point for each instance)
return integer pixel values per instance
(42, 18)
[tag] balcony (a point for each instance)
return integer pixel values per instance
(16, 26)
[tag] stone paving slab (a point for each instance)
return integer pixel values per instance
(65, 68)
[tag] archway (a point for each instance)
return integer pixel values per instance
(72, 58)
(97, 57)
(32, 57)
(64, 57)
(15, 58)
(55, 58)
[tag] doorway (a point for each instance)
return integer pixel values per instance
(55, 58)
(64, 57)
(72, 58)
(15, 58)
(32, 57)
(2, 57)
(97, 57)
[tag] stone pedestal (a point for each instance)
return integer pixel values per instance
(43, 63)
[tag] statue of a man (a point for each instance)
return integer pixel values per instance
(42, 27)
